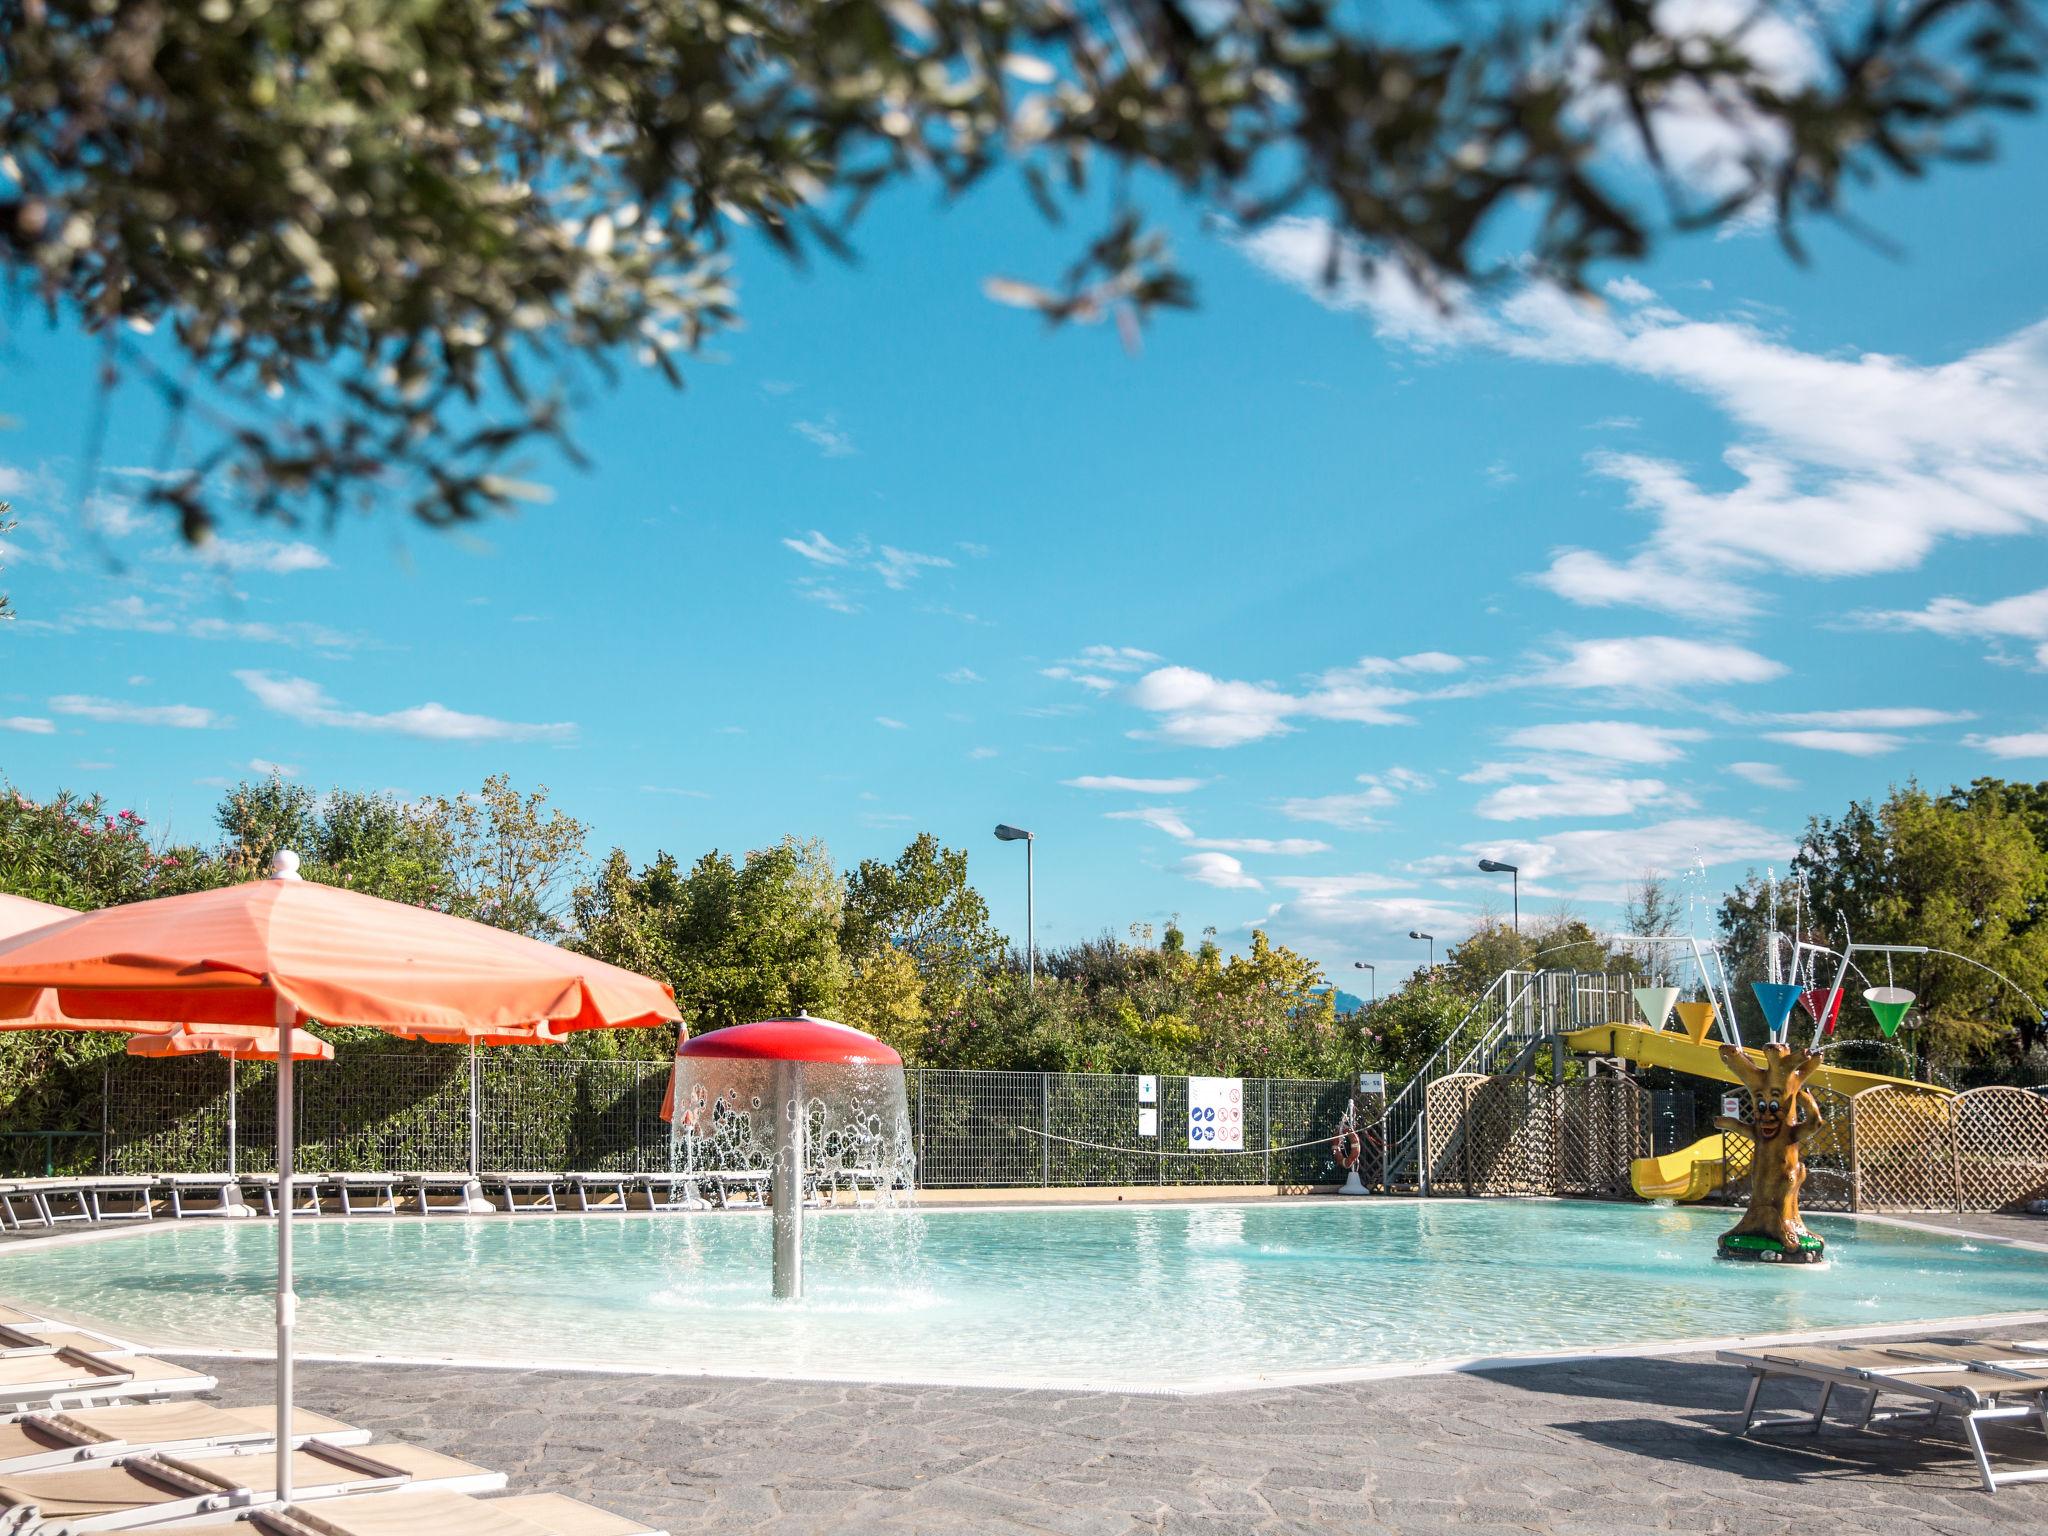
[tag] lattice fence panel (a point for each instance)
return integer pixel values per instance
(1504, 1144)
(1830, 1173)
(1446, 1147)
(1903, 1150)
(1602, 1126)
(2001, 1139)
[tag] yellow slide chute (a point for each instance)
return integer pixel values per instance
(1694, 1172)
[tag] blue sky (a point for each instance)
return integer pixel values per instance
(1284, 621)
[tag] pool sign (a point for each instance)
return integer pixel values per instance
(1148, 1121)
(1148, 1090)
(1372, 1082)
(1215, 1114)
(1731, 1105)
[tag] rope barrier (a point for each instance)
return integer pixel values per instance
(1098, 1146)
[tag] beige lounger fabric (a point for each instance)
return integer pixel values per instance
(446, 1514)
(146, 1425)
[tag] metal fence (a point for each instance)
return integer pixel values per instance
(369, 1112)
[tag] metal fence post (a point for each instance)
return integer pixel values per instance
(1045, 1108)
(1266, 1118)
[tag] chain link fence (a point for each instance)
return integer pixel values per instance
(411, 1112)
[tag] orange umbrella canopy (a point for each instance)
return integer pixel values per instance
(234, 1041)
(241, 954)
(19, 915)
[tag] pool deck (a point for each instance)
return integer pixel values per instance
(1611, 1445)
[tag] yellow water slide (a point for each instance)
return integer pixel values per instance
(1694, 1172)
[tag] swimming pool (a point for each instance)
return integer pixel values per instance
(1158, 1297)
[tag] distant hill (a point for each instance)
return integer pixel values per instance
(1345, 1001)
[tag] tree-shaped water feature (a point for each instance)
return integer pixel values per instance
(818, 1107)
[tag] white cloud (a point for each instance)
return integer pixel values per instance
(2021, 617)
(962, 676)
(1656, 663)
(183, 717)
(890, 723)
(827, 436)
(826, 594)
(1219, 870)
(1601, 863)
(1343, 907)
(1301, 253)
(1134, 786)
(1166, 819)
(1764, 775)
(981, 754)
(272, 557)
(1202, 711)
(819, 550)
(2026, 744)
(265, 766)
(28, 725)
(1353, 809)
(1853, 743)
(1883, 718)
(301, 699)
(1613, 741)
(1574, 796)
(1844, 463)
(898, 568)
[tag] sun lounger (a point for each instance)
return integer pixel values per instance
(73, 1378)
(448, 1194)
(120, 1197)
(598, 1191)
(61, 1200)
(666, 1192)
(366, 1194)
(738, 1186)
(305, 1193)
(406, 1513)
(41, 1338)
(523, 1191)
(1983, 1380)
(21, 1206)
(205, 1194)
(153, 1490)
(41, 1441)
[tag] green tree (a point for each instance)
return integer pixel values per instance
(1398, 1033)
(885, 996)
(1493, 946)
(72, 851)
(341, 224)
(514, 859)
(1964, 873)
(737, 942)
(373, 843)
(923, 905)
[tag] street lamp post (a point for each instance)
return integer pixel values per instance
(1366, 966)
(1416, 933)
(1495, 867)
(1009, 834)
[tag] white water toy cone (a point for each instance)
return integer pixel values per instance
(1656, 1004)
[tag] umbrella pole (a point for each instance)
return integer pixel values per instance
(475, 1173)
(287, 1303)
(234, 1071)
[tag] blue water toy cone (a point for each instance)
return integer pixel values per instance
(1777, 999)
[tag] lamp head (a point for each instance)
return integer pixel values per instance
(1495, 867)
(1009, 834)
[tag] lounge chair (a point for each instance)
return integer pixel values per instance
(60, 1200)
(74, 1378)
(21, 1206)
(120, 1197)
(739, 1186)
(405, 1513)
(524, 1191)
(584, 1185)
(205, 1194)
(457, 1193)
(157, 1489)
(666, 1192)
(1983, 1380)
(366, 1194)
(305, 1193)
(41, 1338)
(42, 1441)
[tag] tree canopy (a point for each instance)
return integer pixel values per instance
(367, 251)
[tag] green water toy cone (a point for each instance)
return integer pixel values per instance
(1656, 1004)
(1889, 1004)
(1776, 998)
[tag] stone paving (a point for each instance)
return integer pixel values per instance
(1608, 1446)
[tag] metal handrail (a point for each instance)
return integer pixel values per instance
(1408, 1116)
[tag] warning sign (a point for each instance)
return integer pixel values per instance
(1215, 1114)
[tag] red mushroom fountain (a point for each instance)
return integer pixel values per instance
(816, 1101)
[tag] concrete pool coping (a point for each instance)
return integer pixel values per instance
(1204, 1387)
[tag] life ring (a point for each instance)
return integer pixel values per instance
(1346, 1149)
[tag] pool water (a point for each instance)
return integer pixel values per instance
(1156, 1297)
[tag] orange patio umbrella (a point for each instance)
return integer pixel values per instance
(19, 915)
(279, 953)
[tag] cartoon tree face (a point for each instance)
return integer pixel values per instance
(1785, 1117)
